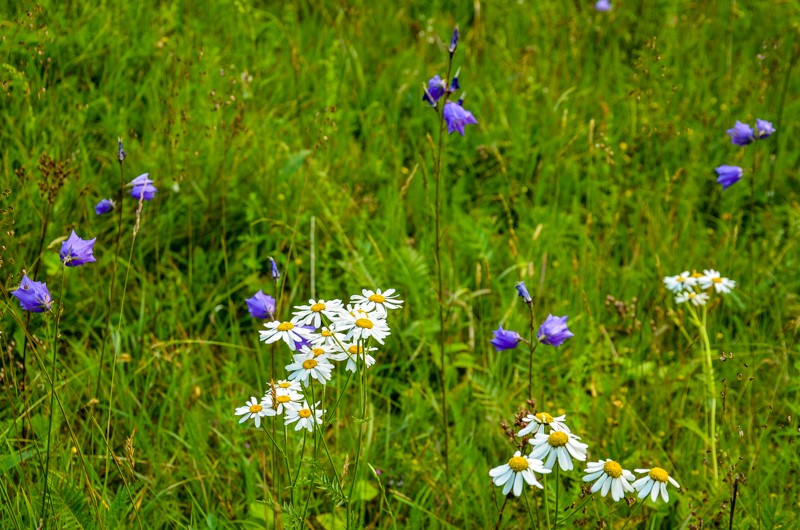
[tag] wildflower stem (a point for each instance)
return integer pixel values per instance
(299, 464)
(633, 512)
(440, 289)
(528, 506)
(576, 510)
(753, 217)
(531, 348)
(555, 512)
(708, 369)
(278, 448)
(362, 394)
(52, 398)
(500, 514)
(546, 502)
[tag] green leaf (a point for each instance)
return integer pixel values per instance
(294, 163)
(333, 521)
(364, 491)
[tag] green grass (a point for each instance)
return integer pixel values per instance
(590, 175)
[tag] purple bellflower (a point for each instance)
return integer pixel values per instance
(104, 206)
(453, 41)
(33, 296)
(523, 293)
(261, 306)
(505, 339)
(276, 274)
(76, 251)
(728, 175)
(764, 129)
(121, 154)
(436, 89)
(603, 5)
(741, 134)
(554, 331)
(457, 117)
(142, 187)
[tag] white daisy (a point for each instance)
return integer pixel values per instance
(537, 422)
(286, 331)
(558, 445)
(306, 364)
(253, 409)
(285, 384)
(312, 313)
(283, 396)
(609, 476)
(361, 325)
(356, 355)
(305, 416)
(330, 337)
(519, 468)
(321, 353)
(697, 299)
(378, 301)
(712, 277)
(655, 481)
(679, 283)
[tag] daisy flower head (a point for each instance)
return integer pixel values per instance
(679, 282)
(289, 333)
(520, 467)
(284, 395)
(329, 337)
(254, 409)
(610, 477)
(697, 299)
(307, 365)
(378, 301)
(304, 416)
(356, 354)
(558, 445)
(654, 482)
(361, 325)
(313, 312)
(537, 422)
(714, 278)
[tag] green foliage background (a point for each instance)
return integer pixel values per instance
(590, 175)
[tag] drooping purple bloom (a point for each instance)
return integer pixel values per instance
(457, 117)
(142, 187)
(276, 274)
(104, 206)
(554, 331)
(454, 84)
(76, 251)
(436, 89)
(298, 345)
(33, 296)
(505, 339)
(261, 306)
(121, 154)
(523, 293)
(741, 134)
(764, 128)
(453, 41)
(603, 5)
(728, 175)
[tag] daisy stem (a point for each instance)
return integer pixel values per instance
(440, 290)
(339, 398)
(299, 464)
(546, 502)
(52, 399)
(555, 512)
(278, 448)
(576, 510)
(528, 506)
(633, 512)
(286, 456)
(500, 515)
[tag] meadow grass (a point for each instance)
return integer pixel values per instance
(590, 176)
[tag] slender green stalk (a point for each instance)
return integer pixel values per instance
(362, 427)
(500, 515)
(576, 510)
(531, 348)
(528, 506)
(546, 502)
(633, 512)
(753, 218)
(299, 464)
(555, 512)
(708, 369)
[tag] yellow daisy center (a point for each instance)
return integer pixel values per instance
(284, 385)
(613, 469)
(304, 413)
(545, 418)
(557, 439)
(283, 399)
(692, 295)
(309, 364)
(317, 307)
(355, 350)
(377, 298)
(716, 280)
(680, 279)
(696, 275)
(256, 408)
(364, 323)
(326, 333)
(285, 326)
(518, 463)
(659, 474)
(318, 352)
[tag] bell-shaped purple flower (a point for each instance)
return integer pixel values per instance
(261, 306)
(276, 274)
(505, 339)
(453, 41)
(764, 129)
(104, 206)
(554, 331)
(436, 89)
(728, 175)
(741, 134)
(33, 296)
(603, 5)
(457, 117)
(142, 187)
(523, 293)
(76, 251)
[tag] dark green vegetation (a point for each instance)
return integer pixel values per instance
(590, 176)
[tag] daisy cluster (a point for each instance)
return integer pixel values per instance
(320, 335)
(552, 442)
(695, 287)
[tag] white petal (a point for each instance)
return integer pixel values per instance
(518, 485)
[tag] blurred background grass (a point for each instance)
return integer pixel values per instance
(589, 176)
